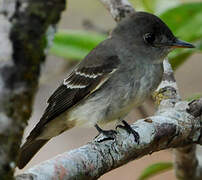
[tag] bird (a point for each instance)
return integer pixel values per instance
(116, 76)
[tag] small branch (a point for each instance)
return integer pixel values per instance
(119, 9)
(168, 89)
(186, 162)
(183, 169)
(88, 25)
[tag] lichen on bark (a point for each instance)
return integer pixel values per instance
(19, 74)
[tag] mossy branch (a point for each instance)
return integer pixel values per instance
(25, 32)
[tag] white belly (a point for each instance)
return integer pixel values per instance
(110, 104)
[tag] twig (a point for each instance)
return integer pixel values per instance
(119, 9)
(88, 25)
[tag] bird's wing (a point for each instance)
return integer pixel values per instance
(85, 79)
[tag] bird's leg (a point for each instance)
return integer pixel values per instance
(129, 129)
(110, 134)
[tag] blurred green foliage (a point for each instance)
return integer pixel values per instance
(194, 97)
(155, 169)
(75, 45)
(184, 20)
(186, 23)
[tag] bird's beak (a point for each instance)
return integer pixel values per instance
(175, 44)
(181, 44)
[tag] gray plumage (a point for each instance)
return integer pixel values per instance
(112, 79)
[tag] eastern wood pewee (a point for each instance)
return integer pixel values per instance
(112, 79)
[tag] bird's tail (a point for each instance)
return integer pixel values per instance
(28, 150)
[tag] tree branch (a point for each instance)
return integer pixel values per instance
(27, 28)
(170, 127)
(174, 125)
(119, 9)
(186, 162)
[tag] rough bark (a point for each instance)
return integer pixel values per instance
(119, 9)
(169, 128)
(26, 30)
(185, 158)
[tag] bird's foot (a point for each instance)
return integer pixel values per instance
(130, 130)
(109, 134)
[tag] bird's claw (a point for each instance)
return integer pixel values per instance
(130, 130)
(109, 134)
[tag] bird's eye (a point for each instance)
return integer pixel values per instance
(149, 38)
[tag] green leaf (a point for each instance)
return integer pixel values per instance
(72, 44)
(155, 169)
(185, 22)
(148, 6)
(194, 97)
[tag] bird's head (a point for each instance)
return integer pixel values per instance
(148, 35)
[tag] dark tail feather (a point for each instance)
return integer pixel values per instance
(28, 150)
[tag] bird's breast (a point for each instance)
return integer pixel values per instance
(133, 90)
(118, 96)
